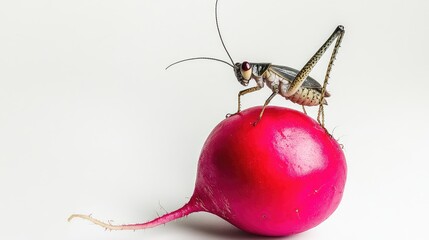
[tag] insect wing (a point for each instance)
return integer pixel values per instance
(290, 73)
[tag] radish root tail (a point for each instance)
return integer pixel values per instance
(179, 213)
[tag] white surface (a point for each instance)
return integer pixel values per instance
(90, 122)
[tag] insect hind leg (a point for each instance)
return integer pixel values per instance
(305, 71)
(321, 113)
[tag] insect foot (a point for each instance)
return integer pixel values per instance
(256, 122)
(231, 114)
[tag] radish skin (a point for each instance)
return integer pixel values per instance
(281, 177)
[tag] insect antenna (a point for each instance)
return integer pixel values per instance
(200, 58)
(210, 58)
(220, 35)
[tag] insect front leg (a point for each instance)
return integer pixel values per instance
(241, 93)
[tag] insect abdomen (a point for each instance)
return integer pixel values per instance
(304, 96)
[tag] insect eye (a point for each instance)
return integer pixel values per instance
(246, 71)
(245, 66)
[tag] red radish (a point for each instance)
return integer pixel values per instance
(283, 176)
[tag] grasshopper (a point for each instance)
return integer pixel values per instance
(296, 86)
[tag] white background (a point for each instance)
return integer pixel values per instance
(90, 122)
